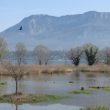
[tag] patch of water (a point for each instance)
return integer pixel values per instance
(37, 107)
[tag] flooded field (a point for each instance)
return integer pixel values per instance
(62, 85)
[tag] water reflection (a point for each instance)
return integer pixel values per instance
(76, 76)
(16, 106)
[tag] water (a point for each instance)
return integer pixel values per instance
(59, 85)
(37, 107)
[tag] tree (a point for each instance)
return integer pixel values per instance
(74, 55)
(16, 70)
(41, 54)
(20, 53)
(3, 49)
(105, 55)
(91, 53)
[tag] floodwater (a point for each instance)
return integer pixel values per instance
(37, 107)
(58, 84)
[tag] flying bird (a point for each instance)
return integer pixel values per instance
(20, 28)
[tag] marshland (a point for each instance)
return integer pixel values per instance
(82, 82)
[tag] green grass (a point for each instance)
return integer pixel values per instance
(31, 98)
(80, 92)
(95, 108)
(105, 88)
(71, 82)
(2, 84)
(42, 98)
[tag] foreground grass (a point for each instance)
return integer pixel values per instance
(95, 108)
(105, 88)
(80, 92)
(31, 98)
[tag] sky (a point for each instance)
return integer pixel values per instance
(13, 11)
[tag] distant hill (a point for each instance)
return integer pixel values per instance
(61, 32)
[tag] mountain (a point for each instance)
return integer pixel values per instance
(61, 32)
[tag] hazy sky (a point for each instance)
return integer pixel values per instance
(12, 11)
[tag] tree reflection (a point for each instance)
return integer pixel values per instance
(16, 106)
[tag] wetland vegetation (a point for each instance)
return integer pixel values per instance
(80, 92)
(47, 83)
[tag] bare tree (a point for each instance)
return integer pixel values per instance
(91, 53)
(20, 53)
(16, 70)
(105, 55)
(74, 55)
(41, 54)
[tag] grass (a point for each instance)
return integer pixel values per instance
(30, 98)
(60, 68)
(52, 68)
(95, 108)
(2, 84)
(105, 88)
(71, 82)
(80, 92)
(42, 98)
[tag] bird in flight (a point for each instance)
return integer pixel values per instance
(20, 28)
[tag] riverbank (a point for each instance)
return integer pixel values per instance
(52, 69)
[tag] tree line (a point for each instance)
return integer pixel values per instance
(90, 52)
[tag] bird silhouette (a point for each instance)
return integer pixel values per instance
(20, 28)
